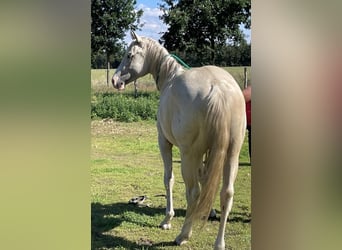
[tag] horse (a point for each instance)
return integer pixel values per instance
(202, 112)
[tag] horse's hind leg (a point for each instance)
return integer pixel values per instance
(226, 195)
(166, 153)
(190, 166)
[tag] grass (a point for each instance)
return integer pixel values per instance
(125, 162)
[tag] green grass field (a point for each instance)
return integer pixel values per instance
(125, 162)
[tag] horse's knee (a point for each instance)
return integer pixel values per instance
(227, 199)
(227, 193)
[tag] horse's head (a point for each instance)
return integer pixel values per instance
(132, 65)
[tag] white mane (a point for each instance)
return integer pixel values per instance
(166, 67)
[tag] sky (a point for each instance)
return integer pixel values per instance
(153, 26)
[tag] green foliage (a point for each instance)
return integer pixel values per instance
(99, 59)
(202, 29)
(124, 106)
(232, 55)
(109, 21)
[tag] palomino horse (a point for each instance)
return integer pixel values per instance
(201, 111)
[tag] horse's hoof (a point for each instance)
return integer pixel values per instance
(180, 240)
(165, 226)
(219, 247)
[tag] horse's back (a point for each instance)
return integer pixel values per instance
(185, 105)
(195, 87)
(199, 79)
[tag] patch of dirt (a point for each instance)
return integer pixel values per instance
(110, 127)
(144, 242)
(106, 127)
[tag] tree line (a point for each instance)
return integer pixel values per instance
(201, 32)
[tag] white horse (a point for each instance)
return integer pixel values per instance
(202, 112)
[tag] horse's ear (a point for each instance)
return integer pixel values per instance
(135, 36)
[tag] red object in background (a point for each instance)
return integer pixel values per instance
(248, 113)
(247, 93)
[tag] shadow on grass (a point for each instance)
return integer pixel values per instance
(244, 164)
(105, 218)
(235, 217)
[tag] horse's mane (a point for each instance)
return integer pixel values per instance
(153, 45)
(159, 55)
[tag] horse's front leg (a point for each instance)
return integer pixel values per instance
(166, 152)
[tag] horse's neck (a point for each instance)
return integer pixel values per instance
(164, 68)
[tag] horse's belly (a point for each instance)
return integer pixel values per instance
(180, 115)
(168, 126)
(179, 128)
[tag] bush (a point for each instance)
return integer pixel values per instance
(125, 107)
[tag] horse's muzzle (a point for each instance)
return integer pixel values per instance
(118, 80)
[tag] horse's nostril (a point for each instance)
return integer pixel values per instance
(121, 83)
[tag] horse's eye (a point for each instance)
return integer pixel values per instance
(129, 55)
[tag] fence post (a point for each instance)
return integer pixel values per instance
(135, 89)
(108, 68)
(245, 75)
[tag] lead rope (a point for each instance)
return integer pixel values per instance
(180, 61)
(177, 59)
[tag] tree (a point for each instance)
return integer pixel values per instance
(199, 26)
(109, 21)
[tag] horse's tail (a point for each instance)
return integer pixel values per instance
(218, 126)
